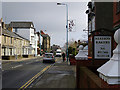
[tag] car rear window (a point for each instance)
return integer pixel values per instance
(48, 55)
(58, 52)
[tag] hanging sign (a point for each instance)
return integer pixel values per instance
(72, 25)
(102, 47)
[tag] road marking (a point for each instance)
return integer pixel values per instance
(57, 60)
(17, 66)
(33, 78)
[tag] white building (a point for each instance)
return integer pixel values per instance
(36, 43)
(26, 30)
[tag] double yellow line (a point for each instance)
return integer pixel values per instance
(33, 78)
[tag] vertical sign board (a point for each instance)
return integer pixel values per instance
(102, 47)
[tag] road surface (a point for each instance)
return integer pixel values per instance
(17, 74)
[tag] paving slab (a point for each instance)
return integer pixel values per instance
(60, 75)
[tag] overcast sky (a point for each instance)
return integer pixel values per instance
(50, 17)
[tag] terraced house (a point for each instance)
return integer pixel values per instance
(26, 30)
(14, 46)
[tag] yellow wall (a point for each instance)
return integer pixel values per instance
(17, 43)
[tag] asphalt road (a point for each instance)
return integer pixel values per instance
(16, 74)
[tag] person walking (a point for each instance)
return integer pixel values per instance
(63, 56)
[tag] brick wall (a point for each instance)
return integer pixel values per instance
(88, 79)
(116, 15)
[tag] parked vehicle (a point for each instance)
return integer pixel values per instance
(58, 53)
(48, 57)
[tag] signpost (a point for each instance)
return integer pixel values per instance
(102, 47)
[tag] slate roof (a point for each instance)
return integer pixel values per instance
(20, 36)
(21, 24)
(45, 35)
(9, 33)
(12, 34)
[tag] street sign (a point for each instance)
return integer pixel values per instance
(72, 25)
(102, 47)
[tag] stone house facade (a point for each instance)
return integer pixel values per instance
(14, 46)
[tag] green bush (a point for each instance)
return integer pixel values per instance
(72, 51)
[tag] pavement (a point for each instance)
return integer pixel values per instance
(18, 60)
(59, 75)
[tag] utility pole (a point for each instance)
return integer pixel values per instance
(66, 27)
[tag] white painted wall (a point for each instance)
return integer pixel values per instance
(36, 39)
(23, 32)
(32, 37)
(27, 33)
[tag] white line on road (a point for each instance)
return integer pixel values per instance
(17, 66)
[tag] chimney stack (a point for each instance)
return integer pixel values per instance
(10, 29)
(3, 24)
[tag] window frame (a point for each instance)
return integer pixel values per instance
(117, 7)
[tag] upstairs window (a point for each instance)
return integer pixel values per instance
(11, 40)
(15, 29)
(32, 39)
(118, 7)
(4, 39)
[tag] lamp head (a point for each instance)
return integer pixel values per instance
(58, 3)
(61, 4)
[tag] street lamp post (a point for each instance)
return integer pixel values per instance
(66, 27)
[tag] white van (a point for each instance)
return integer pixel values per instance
(58, 53)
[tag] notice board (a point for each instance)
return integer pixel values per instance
(102, 47)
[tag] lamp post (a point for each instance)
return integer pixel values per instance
(66, 27)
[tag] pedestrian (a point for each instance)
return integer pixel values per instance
(63, 56)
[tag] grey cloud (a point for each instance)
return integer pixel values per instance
(48, 16)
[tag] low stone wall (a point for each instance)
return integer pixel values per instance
(8, 57)
(72, 60)
(11, 57)
(30, 56)
(25, 56)
(87, 79)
